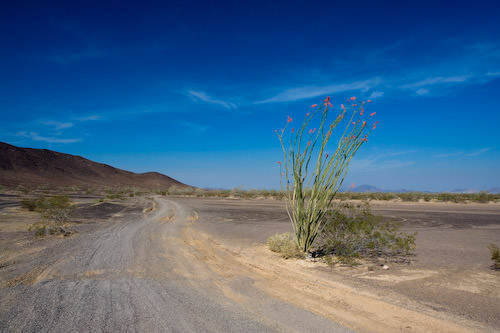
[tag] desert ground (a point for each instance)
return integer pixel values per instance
(164, 263)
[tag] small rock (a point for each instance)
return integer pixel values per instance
(385, 267)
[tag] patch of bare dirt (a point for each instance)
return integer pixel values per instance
(24, 256)
(298, 282)
(449, 278)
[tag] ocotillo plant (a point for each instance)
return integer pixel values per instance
(310, 187)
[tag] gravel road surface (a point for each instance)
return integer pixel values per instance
(142, 274)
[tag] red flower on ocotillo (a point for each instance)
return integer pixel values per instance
(279, 162)
(288, 119)
(362, 111)
(314, 105)
(353, 98)
(364, 123)
(372, 114)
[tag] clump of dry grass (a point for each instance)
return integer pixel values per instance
(285, 244)
(495, 256)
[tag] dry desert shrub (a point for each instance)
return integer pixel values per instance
(56, 209)
(495, 256)
(352, 231)
(284, 244)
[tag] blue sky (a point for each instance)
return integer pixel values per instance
(195, 90)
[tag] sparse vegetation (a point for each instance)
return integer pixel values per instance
(495, 256)
(29, 204)
(22, 189)
(284, 244)
(480, 197)
(39, 230)
(239, 193)
(55, 209)
(352, 231)
(113, 196)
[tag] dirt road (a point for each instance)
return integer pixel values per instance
(188, 264)
(144, 274)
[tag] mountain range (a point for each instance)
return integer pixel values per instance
(41, 167)
(373, 189)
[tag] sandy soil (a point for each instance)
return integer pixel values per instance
(216, 247)
(449, 277)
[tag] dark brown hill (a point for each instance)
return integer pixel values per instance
(42, 167)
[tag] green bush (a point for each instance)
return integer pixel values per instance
(353, 231)
(56, 208)
(29, 204)
(41, 230)
(38, 230)
(284, 244)
(115, 196)
(495, 256)
(484, 197)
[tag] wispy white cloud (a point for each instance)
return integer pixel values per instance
(480, 151)
(384, 160)
(36, 137)
(58, 125)
(428, 76)
(202, 96)
(194, 127)
(453, 154)
(88, 118)
(376, 94)
(422, 91)
(398, 153)
(373, 164)
(476, 152)
(296, 94)
(435, 80)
